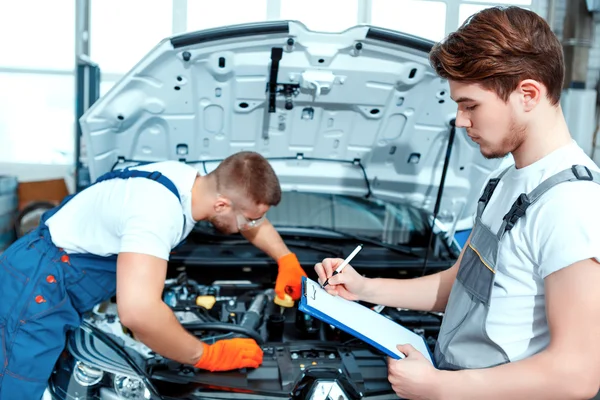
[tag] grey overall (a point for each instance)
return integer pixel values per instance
(463, 342)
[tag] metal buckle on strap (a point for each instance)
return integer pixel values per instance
(582, 168)
(516, 211)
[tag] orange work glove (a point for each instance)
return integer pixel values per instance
(229, 354)
(289, 278)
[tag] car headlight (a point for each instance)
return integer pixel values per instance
(130, 388)
(85, 382)
(94, 368)
(86, 375)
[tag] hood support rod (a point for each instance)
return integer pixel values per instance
(438, 200)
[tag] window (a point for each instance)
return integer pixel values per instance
(501, 2)
(106, 85)
(320, 15)
(466, 10)
(37, 118)
(203, 15)
(122, 32)
(426, 19)
(38, 34)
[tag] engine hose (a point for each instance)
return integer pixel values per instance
(252, 317)
(322, 334)
(221, 326)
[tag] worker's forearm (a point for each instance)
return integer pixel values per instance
(266, 238)
(161, 331)
(427, 293)
(543, 376)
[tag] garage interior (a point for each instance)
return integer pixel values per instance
(61, 57)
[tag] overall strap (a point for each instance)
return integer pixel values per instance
(154, 175)
(519, 207)
(488, 191)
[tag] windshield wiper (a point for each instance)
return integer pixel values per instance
(306, 230)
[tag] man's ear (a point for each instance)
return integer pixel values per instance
(531, 93)
(222, 204)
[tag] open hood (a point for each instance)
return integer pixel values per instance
(359, 112)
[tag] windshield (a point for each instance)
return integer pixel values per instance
(390, 223)
(386, 222)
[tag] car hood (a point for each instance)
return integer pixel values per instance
(358, 112)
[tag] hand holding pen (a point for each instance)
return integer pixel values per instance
(348, 285)
(344, 263)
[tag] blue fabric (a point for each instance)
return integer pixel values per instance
(44, 292)
(462, 236)
(155, 175)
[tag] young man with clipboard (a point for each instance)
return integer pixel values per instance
(521, 303)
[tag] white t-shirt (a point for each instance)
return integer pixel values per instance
(128, 215)
(560, 229)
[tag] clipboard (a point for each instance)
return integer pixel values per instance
(359, 321)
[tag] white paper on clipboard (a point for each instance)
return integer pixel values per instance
(360, 321)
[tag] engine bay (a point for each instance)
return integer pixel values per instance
(297, 347)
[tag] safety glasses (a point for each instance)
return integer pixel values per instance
(245, 224)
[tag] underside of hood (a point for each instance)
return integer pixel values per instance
(359, 112)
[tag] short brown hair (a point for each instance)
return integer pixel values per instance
(250, 174)
(499, 47)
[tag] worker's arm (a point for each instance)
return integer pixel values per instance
(427, 293)
(148, 230)
(140, 283)
(290, 272)
(266, 238)
(570, 366)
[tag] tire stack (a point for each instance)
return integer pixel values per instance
(8, 210)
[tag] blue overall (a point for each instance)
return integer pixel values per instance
(43, 293)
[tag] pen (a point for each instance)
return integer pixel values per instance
(344, 263)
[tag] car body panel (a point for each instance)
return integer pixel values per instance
(366, 114)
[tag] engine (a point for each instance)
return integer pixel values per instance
(228, 309)
(299, 351)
